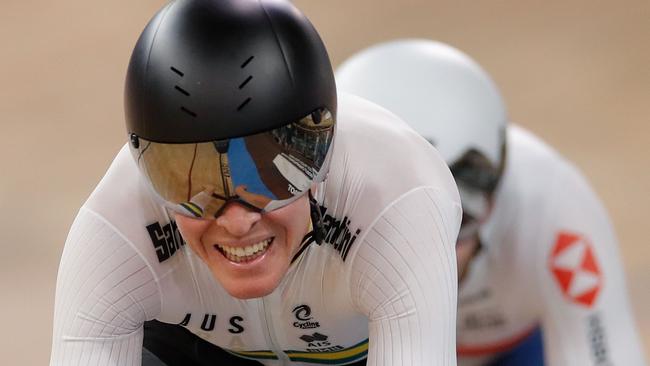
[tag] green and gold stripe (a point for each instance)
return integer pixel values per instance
(193, 208)
(356, 352)
(350, 354)
(259, 355)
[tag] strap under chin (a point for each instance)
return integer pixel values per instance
(316, 219)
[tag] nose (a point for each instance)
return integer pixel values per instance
(237, 219)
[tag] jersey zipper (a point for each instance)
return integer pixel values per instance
(283, 359)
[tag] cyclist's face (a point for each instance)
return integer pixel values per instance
(466, 250)
(248, 252)
(468, 244)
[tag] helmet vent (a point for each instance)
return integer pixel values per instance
(241, 106)
(243, 84)
(188, 111)
(179, 72)
(183, 91)
(248, 60)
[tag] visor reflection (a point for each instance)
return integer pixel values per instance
(264, 171)
(475, 170)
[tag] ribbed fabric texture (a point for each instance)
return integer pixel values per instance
(405, 279)
(105, 291)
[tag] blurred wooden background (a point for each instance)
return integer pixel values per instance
(576, 73)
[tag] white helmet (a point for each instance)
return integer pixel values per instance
(446, 97)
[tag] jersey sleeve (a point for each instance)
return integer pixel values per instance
(404, 279)
(586, 317)
(104, 293)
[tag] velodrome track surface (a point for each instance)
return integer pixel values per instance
(575, 73)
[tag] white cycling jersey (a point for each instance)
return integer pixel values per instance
(382, 285)
(550, 261)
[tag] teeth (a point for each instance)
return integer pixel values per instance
(239, 254)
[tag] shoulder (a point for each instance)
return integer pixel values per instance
(371, 132)
(531, 168)
(525, 150)
(125, 204)
(379, 161)
(540, 193)
(381, 150)
(533, 163)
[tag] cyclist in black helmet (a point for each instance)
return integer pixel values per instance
(254, 217)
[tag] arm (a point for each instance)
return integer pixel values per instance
(586, 315)
(404, 280)
(104, 293)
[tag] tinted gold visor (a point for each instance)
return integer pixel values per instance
(264, 171)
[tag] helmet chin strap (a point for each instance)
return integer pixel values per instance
(317, 234)
(316, 219)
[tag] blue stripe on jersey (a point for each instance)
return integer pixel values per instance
(530, 352)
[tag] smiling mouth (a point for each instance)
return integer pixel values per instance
(244, 254)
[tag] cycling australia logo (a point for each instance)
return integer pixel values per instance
(304, 320)
(576, 269)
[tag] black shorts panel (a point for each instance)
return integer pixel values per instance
(174, 345)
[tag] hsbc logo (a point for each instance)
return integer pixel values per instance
(576, 269)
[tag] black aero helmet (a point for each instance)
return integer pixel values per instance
(230, 99)
(205, 70)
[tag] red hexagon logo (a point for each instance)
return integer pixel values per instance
(576, 269)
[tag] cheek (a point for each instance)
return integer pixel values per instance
(462, 256)
(192, 230)
(293, 219)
